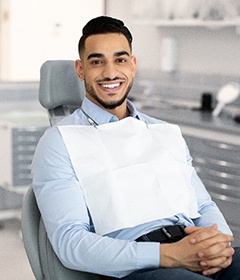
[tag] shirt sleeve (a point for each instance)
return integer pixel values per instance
(65, 215)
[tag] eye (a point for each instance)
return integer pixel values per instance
(121, 60)
(96, 62)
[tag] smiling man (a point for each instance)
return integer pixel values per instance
(107, 70)
(116, 188)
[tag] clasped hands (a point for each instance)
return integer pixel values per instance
(205, 250)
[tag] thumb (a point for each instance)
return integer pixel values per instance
(189, 230)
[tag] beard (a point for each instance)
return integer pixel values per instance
(111, 104)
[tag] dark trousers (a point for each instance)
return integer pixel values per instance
(230, 273)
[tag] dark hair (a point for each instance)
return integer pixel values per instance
(103, 25)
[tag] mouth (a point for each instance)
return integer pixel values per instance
(111, 86)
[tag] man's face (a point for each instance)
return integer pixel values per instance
(107, 68)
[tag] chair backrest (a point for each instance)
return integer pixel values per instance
(44, 262)
(30, 231)
(59, 89)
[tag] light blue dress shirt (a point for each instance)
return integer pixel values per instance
(66, 217)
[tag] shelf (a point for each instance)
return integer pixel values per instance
(188, 23)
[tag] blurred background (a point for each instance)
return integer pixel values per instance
(187, 51)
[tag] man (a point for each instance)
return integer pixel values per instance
(116, 188)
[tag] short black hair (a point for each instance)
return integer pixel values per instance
(103, 25)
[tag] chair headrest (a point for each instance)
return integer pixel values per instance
(60, 85)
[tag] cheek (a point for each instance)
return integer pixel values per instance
(130, 70)
(131, 74)
(89, 78)
(92, 75)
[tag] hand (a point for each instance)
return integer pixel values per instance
(219, 253)
(204, 250)
(181, 254)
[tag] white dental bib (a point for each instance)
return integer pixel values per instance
(131, 173)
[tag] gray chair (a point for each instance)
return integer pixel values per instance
(59, 90)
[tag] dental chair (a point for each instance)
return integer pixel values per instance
(60, 91)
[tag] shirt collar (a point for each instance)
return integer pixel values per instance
(101, 116)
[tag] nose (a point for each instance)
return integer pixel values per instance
(110, 71)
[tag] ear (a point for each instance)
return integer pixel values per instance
(134, 65)
(79, 69)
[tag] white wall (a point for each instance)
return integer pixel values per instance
(201, 50)
(40, 30)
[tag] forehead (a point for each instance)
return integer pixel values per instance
(106, 44)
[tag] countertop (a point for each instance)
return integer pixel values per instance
(192, 120)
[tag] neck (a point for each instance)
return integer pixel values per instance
(120, 113)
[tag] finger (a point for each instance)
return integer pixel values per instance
(211, 271)
(201, 234)
(218, 242)
(221, 262)
(189, 230)
(216, 250)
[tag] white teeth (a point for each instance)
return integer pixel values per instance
(110, 85)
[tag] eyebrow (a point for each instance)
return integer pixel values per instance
(100, 55)
(121, 53)
(97, 55)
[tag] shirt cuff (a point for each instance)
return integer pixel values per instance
(148, 255)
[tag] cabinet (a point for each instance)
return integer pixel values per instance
(217, 164)
(214, 145)
(19, 135)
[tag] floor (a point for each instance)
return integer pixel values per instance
(13, 260)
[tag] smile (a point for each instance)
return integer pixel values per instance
(111, 86)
